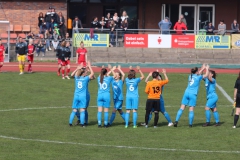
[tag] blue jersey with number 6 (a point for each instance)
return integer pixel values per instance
(117, 89)
(105, 86)
(193, 83)
(81, 85)
(132, 87)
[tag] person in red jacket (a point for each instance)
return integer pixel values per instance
(179, 27)
(2, 54)
(81, 55)
(31, 49)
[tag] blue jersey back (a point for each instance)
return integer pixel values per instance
(105, 86)
(193, 83)
(210, 86)
(132, 87)
(81, 85)
(117, 87)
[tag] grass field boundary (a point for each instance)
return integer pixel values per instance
(115, 146)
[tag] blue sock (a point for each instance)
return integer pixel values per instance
(82, 117)
(78, 115)
(179, 114)
(208, 115)
(150, 117)
(123, 115)
(127, 115)
(216, 116)
(166, 115)
(86, 116)
(71, 118)
(99, 117)
(105, 118)
(112, 117)
(191, 117)
(135, 116)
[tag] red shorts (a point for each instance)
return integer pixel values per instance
(67, 62)
(1, 59)
(63, 63)
(59, 61)
(30, 58)
(83, 62)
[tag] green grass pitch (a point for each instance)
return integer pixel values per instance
(43, 132)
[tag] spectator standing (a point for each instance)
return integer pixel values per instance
(54, 15)
(62, 26)
(179, 27)
(235, 27)
(210, 29)
(221, 28)
(52, 26)
(40, 20)
(95, 24)
(48, 18)
(47, 38)
(44, 27)
(112, 27)
(183, 19)
(2, 54)
(165, 26)
(108, 20)
(116, 18)
(124, 16)
(103, 23)
(41, 47)
(55, 40)
(77, 24)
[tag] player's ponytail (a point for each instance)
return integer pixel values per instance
(103, 73)
(214, 74)
(131, 74)
(194, 71)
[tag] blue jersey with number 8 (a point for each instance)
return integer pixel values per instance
(132, 87)
(193, 83)
(105, 86)
(81, 85)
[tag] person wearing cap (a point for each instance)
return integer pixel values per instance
(56, 29)
(165, 25)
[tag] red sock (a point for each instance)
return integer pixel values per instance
(63, 72)
(59, 70)
(1, 65)
(68, 70)
(29, 66)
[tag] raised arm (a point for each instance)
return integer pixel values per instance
(139, 70)
(113, 71)
(202, 69)
(75, 71)
(120, 70)
(91, 71)
(207, 72)
(165, 74)
(149, 75)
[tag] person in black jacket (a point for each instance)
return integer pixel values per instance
(95, 24)
(21, 51)
(40, 20)
(67, 55)
(54, 15)
(77, 24)
(59, 55)
(61, 25)
(48, 18)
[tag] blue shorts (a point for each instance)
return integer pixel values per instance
(118, 104)
(212, 101)
(132, 103)
(189, 99)
(103, 100)
(79, 101)
(88, 100)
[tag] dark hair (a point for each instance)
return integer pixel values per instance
(132, 74)
(120, 74)
(238, 76)
(76, 16)
(214, 73)
(193, 71)
(40, 14)
(155, 74)
(222, 20)
(103, 72)
(160, 76)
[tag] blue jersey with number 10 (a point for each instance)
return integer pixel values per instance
(193, 83)
(132, 87)
(105, 86)
(81, 85)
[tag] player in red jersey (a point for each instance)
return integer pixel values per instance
(2, 54)
(30, 54)
(81, 55)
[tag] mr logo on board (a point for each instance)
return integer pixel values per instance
(97, 40)
(212, 42)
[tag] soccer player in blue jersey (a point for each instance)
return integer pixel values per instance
(212, 97)
(190, 95)
(117, 87)
(80, 94)
(132, 96)
(162, 106)
(103, 99)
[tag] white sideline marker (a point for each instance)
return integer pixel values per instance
(225, 93)
(125, 147)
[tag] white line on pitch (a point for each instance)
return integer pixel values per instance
(225, 93)
(125, 147)
(41, 108)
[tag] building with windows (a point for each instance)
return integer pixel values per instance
(142, 13)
